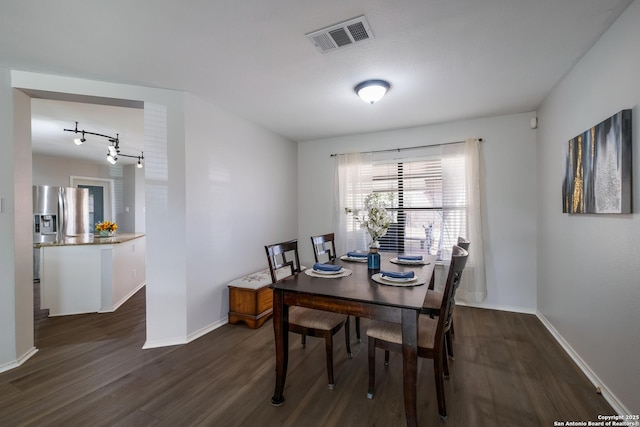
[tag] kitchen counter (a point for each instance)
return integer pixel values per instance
(92, 240)
(91, 274)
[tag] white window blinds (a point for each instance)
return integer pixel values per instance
(426, 198)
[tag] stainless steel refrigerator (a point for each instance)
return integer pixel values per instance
(58, 212)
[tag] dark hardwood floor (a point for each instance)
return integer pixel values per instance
(90, 370)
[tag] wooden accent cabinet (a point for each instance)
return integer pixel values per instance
(250, 299)
(251, 306)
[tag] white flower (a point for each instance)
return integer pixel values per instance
(374, 218)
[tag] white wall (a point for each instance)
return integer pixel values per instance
(8, 258)
(508, 150)
(16, 248)
(57, 170)
(589, 265)
(140, 225)
(241, 193)
(127, 218)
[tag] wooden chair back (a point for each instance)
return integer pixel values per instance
(324, 245)
(458, 261)
(277, 256)
(464, 243)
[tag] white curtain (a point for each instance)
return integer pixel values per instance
(352, 181)
(473, 287)
(454, 197)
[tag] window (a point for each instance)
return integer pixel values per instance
(426, 198)
(434, 197)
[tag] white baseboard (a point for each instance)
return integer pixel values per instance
(123, 300)
(191, 337)
(164, 343)
(202, 331)
(19, 361)
(593, 378)
(525, 310)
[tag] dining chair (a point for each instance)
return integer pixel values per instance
(302, 320)
(464, 243)
(434, 299)
(431, 331)
(325, 245)
(450, 333)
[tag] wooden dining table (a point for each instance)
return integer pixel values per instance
(357, 295)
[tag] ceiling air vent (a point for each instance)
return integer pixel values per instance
(348, 33)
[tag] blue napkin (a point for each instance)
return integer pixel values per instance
(410, 257)
(398, 275)
(326, 267)
(357, 254)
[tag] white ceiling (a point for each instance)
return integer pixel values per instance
(446, 60)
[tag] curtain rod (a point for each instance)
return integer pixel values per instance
(402, 149)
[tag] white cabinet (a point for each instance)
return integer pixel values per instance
(88, 278)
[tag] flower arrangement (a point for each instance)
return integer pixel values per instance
(374, 217)
(106, 227)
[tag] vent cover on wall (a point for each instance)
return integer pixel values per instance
(348, 33)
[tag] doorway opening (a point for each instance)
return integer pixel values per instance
(101, 198)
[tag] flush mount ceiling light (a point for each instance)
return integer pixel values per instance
(371, 91)
(113, 149)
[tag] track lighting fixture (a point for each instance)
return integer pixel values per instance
(113, 149)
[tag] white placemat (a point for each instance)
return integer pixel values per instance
(407, 262)
(353, 259)
(343, 273)
(419, 281)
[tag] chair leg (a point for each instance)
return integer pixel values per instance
(328, 339)
(347, 337)
(372, 367)
(445, 364)
(437, 373)
(303, 340)
(386, 358)
(449, 343)
(358, 329)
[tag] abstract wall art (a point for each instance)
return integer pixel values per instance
(598, 169)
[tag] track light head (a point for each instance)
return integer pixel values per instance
(79, 141)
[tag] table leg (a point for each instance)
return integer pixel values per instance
(432, 281)
(410, 364)
(281, 333)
